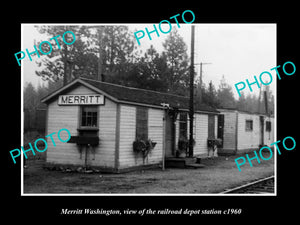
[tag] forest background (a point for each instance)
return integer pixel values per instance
(122, 63)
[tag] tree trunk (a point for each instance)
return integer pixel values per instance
(65, 81)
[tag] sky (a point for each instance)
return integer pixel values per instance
(237, 51)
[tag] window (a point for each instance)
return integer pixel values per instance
(89, 116)
(268, 126)
(183, 125)
(249, 125)
(141, 123)
(211, 126)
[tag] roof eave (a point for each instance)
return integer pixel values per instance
(78, 80)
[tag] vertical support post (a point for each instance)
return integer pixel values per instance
(65, 60)
(191, 106)
(100, 54)
(164, 140)
(236, 131)
(86, 152)
(200, 83)
(65, 50)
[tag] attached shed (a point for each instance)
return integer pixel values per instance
(116, 116)
(244, 131)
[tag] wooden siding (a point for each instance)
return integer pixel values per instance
(127, 136)
(216, 126)
(201, 134)
(177, 132)
(229, 137)
(107, 135)
(62, 117)
(127, 158)
(155, 133)
(248, 139)
(68, 117)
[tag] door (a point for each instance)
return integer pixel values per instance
(221, 128)
(211, 126)
(262, 122)
(169, 136)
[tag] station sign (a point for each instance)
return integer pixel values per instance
(80, 100)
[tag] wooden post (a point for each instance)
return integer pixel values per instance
(200, 96)
(65, 80)
(65, 60)
(191, 106)
(165, 107)
(164, 140)
(100, 54)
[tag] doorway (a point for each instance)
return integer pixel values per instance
(261, 138)
(169, 135)
(220, 133)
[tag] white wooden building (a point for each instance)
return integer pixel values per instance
(118, 115)
(244, 131)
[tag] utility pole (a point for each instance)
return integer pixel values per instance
(201, 63)
(100, 54)
(100, 32)
(259, 97)
(65, 59)
(191, 106)
(263, 100)
(266, 102)
(66, 79)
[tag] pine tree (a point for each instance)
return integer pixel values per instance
(177, 61)
(67, 61)
(225, 95)
(82, 57)
(241, 103)
(117, 48)
(149, 72)
(212, 96)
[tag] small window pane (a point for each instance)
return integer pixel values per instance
(249, 125)
(89, 116)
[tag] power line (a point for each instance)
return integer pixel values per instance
(201, 63)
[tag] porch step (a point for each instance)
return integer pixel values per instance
(195, 165)
(183, 163)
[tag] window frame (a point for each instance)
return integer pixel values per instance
(138, 127)
(247, 128)
(96, 110)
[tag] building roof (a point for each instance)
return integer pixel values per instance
(123, 94)
(235, 109)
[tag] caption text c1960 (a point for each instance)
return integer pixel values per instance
(149, 211)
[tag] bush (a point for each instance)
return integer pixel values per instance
(144, 147)
(214, 142)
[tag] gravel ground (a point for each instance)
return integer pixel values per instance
(219, 174)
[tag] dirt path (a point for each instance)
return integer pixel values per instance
(219, 174)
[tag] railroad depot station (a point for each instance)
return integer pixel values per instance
(116, 128)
